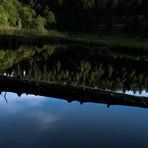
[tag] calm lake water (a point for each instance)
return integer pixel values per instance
(37, 122)
(41, 122)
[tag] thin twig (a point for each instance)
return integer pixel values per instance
(5, 97)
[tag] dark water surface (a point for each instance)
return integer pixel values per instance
(40, 122)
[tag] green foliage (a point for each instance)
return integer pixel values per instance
(19, 23)
(9, 57)
(3, 16)
(50, 18)
(40, 23)
(11, 9)
(11, 14)
(76, 15)
(27, 16)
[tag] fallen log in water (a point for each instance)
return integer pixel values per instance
(69, 92)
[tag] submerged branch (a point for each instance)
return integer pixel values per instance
(69, 92)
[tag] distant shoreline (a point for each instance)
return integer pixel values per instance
(69, 92)
(14, 36)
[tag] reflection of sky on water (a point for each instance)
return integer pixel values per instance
(40, 122)
(143, 93)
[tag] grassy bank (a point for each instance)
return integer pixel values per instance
(14, 36)
(115, 43)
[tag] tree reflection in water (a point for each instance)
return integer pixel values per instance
(77, 65)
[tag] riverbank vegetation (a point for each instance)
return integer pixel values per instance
(76, 15)
(127, 45)
(117, 24)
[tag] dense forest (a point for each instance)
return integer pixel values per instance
(85, 68)
(76, 15)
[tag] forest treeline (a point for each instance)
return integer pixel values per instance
(85, 68)
(76, 15)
